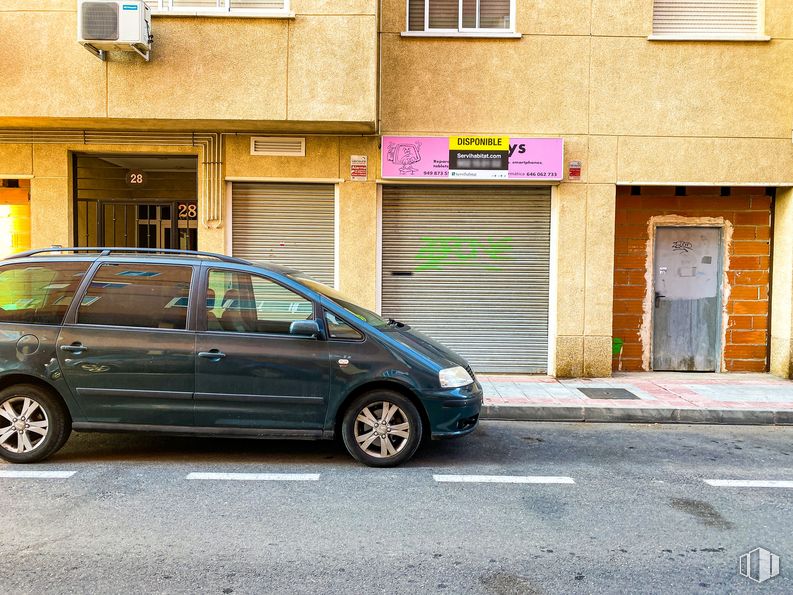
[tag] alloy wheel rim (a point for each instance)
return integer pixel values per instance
(23, 425)
(382, 429)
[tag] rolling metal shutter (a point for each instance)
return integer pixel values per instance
(287, 224)
(707, 17)
(470, 267)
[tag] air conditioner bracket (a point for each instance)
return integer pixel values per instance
(101, 54)
(143, 54)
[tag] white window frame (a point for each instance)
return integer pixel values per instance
(758, 35)
(460, 31)
(166, 8)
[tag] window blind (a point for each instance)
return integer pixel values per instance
(416, 15)
(217, 5)
(197, 4)
(446, 15)
(707, 17)
(494, 14)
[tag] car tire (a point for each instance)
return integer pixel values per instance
(382, 428)
(34, 423)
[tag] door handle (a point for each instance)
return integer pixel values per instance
(74, 348)
(212, 354)
(658, 297)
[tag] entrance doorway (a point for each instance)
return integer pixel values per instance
(136, 201)
(687, 299)
(149, 225)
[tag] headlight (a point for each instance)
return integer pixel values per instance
(454, 377)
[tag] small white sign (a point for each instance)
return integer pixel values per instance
(359, 168)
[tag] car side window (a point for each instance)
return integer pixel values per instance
(340, 330)
(137, 295)
(245, 303)
(38, 293)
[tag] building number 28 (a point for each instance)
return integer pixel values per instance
(188, 211)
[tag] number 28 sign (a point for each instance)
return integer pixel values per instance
(136, 177)
(188, 210)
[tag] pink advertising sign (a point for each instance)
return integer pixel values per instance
(475, 158)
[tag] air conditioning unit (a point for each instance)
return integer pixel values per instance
(105, 25)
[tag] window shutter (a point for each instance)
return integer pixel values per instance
(444, 14)
(494, 14)
(469, 14)
(196, 4)
(214, 5)
(416, 15)
(706, 17)
(257, 4)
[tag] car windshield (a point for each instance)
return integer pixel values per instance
(359, 312)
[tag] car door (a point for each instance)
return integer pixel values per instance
(251, 372)
(126, 349)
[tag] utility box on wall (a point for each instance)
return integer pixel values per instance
(105, 25)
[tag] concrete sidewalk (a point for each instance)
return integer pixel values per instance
(651, 397)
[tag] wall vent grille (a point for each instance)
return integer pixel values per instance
(274, 146)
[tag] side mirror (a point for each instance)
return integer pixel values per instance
(304, 328)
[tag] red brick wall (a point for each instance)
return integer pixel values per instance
(749, 210)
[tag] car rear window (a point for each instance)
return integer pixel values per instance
(38, 293)
(139, 295)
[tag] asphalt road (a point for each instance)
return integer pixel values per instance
(631, 512)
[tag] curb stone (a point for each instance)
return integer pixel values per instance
(637, 415)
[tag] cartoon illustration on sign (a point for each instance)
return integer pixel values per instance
(405, 155)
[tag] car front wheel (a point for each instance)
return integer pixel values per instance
(382, 428)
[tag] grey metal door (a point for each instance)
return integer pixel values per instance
(470, 267)
(687, 304)
(288, 224)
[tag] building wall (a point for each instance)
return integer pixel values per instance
(318, 69)
(633, 111)
(327, 160)
(746, 215)
(48, 167)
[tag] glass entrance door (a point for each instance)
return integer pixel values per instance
(139, 225)
(154, 226)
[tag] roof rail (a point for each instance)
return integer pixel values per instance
(109, 251)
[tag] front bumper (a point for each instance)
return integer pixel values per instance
(455, 412)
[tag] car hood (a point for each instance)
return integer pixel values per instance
(428, 347)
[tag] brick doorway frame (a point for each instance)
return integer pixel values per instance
(746, 263)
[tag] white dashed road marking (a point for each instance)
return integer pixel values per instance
(502, 479)
(37, 474)
(748, 483)
(256, 476)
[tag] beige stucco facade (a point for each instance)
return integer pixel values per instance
(215, 73)
(313, 74)
(633, 111)
(341, 74)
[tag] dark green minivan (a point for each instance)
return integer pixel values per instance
(191, 343)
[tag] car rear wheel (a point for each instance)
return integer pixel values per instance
(382, 428)
(34, 424)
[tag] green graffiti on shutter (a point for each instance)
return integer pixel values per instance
(438, 253)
